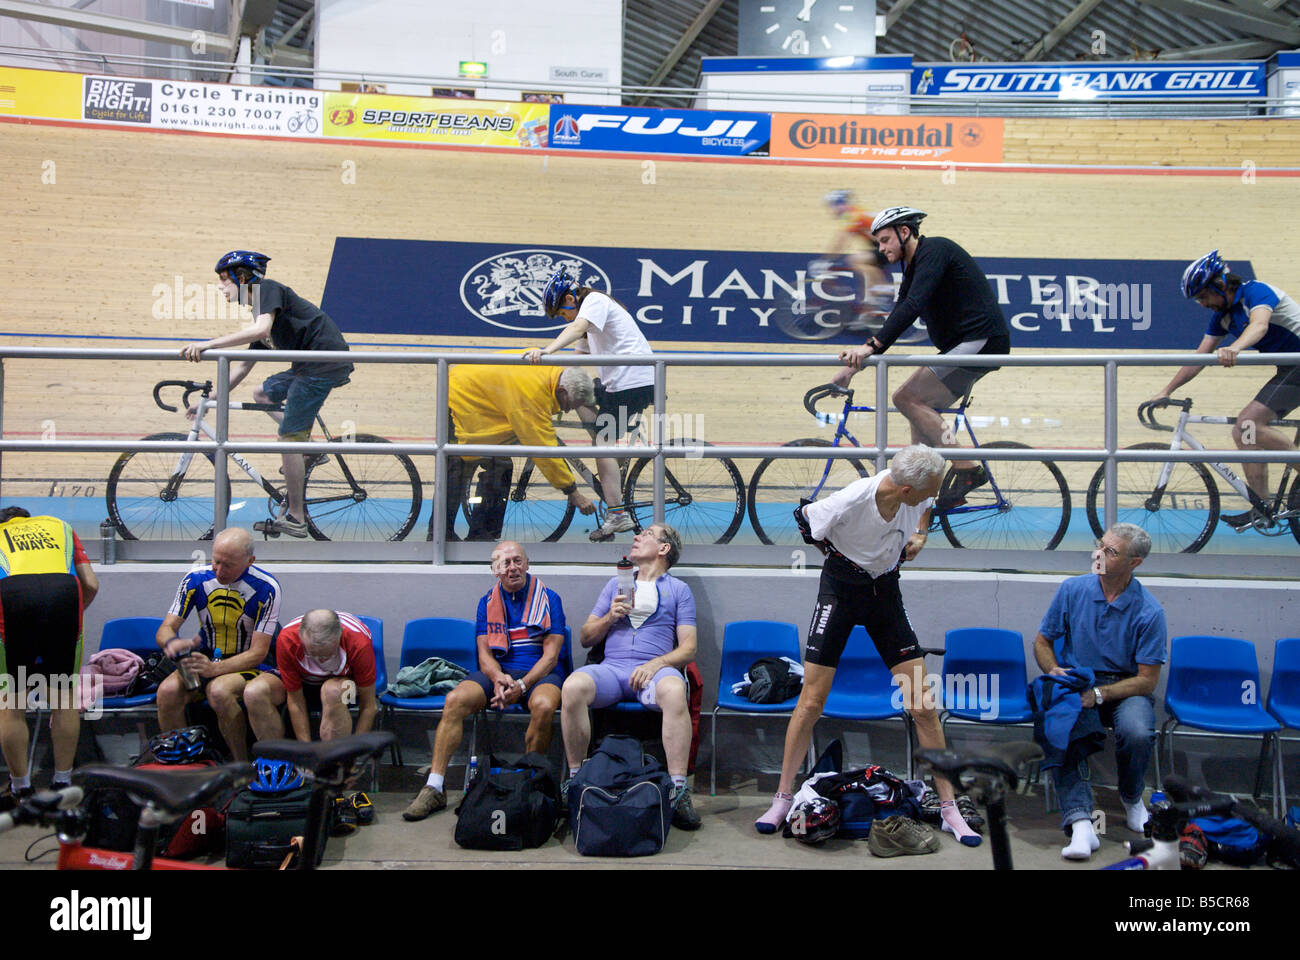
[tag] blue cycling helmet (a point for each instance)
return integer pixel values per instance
(186, 745)
(256, 262)
(837, 200)
(1201, 273)
(558, 287)
(275, 776)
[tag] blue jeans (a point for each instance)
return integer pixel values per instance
(1134, 721)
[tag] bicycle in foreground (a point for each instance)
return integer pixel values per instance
(168, 795)
(1178, 504)
(169, 496)
(1024, 506)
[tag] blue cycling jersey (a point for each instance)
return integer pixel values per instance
(1283, 326)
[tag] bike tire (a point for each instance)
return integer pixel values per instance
(794, 317)
(1024, 506)
(138, 482)
(369, 497)
(535, 511)
(1173, 529)
(1293, 503)
(786, 482)
(704, 497)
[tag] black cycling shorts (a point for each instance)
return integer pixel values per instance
(875, 604)
(618, 411)
(1281, 393)
(42, 618)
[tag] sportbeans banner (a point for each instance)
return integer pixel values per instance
(835, 136)
(378, 116)
(433, 288)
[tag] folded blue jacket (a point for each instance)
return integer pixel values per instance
(1066, 732)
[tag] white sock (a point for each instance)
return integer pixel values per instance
(679, 782)
(1136, 815)
(63, 777)
(19, 783)
(572, 771)
(435, 781)
(1083, 843)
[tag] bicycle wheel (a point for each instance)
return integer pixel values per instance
(1024, 506)
(535, 512)
(779, 484)
(1183, 519)
(801, 319)
(704, 497)
(145, 502)
(1293, 507)
(362, 496)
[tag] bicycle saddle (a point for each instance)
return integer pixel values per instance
(322, 756)
(173, 791)
(1002, 760)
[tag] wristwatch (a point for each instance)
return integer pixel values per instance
(523, 687)
(1096, 692)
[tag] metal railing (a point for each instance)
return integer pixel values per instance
(439, 551)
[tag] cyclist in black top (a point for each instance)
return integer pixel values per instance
(944, 286)
(283, 321)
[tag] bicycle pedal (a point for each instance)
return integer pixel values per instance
(266, 528)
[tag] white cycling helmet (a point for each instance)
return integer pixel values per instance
(897, 217)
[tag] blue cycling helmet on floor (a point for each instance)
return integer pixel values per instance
(275, 776)
(255, 262)
(558, 287)
(1201, 273)
(186, 745)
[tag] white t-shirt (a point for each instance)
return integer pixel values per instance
(613, 331)
(850, 519)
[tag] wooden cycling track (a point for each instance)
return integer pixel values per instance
(94, 218)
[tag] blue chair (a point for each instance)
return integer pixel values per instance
(376, 628)
(864, 689)
(1284, 693)
(137, 635)
(975, 653)
(743, 642)
(451, 639)
(1208, 677)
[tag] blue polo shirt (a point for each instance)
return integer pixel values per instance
(1113, 637)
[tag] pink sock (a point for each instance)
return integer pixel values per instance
(771, 821)
(954, 823)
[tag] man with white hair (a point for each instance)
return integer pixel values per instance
(866, 530)
(327, 663)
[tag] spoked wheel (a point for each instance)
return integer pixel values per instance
(1180, 519)
(1024, 506)
(162, 496)
(779, 484)
(534, 511)
(704, 497)
(362, 496)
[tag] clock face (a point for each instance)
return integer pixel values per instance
(807, 28)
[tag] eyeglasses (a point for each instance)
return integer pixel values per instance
(1110, 552)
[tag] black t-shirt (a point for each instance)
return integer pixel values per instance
(944, 286)
(299, 325)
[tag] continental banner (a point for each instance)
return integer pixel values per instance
(835, 136)
(40, 93)
(486, 123)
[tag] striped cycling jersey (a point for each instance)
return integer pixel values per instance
(229, 614)
(1283, 326)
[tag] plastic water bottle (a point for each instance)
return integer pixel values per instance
(188, 680)
(627, 579)
(108, 542)
(473, 768)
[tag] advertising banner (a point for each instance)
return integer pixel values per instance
(479, 123)
(429, 288)
(651, 130)
(39, 93)
(209, 107)
(834, 136)
(1089, 81)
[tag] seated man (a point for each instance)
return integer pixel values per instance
(648, 639)
(520, 629)
(1107, 622)
(327, 663)
(238, 607)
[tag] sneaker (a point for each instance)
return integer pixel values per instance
(616, 521)
(970, 813)
(958, 484)
(427, 801)
(10, 798)
(901, 837)
(931, 810)
(1241, 522)
(285, 524)
(364, 808)
(345, 818)
(684, 815)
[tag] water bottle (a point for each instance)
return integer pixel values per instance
(108, 542)
(473, 768)
(627, 579)
(188, 680)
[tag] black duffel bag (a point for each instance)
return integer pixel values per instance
(619, 802)
(260, 827)
(508, 806)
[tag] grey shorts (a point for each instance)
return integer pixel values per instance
(959, 380)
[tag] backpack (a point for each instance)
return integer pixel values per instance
(1232, 840)
(156, 668)
(771, 681)
(508, 806)
(619, 802)
(114, 820)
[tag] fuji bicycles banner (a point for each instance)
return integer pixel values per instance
(651, 130)
(446, 289)
(1075, 81)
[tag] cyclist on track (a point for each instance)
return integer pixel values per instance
(282, 320)
(599, 324)
(943, 285)
(1259, 315)
(870, 267)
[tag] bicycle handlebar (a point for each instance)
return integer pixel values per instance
(822, 391)
(189, 386)
(1147, 412)
(42, 808)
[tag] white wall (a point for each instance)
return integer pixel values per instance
(518, 39)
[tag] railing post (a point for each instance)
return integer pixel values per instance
(442, 417)
(1111, 409)
(657, 435)
(220, 464)
(882, 410)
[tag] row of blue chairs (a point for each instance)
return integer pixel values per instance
(1212, 686)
